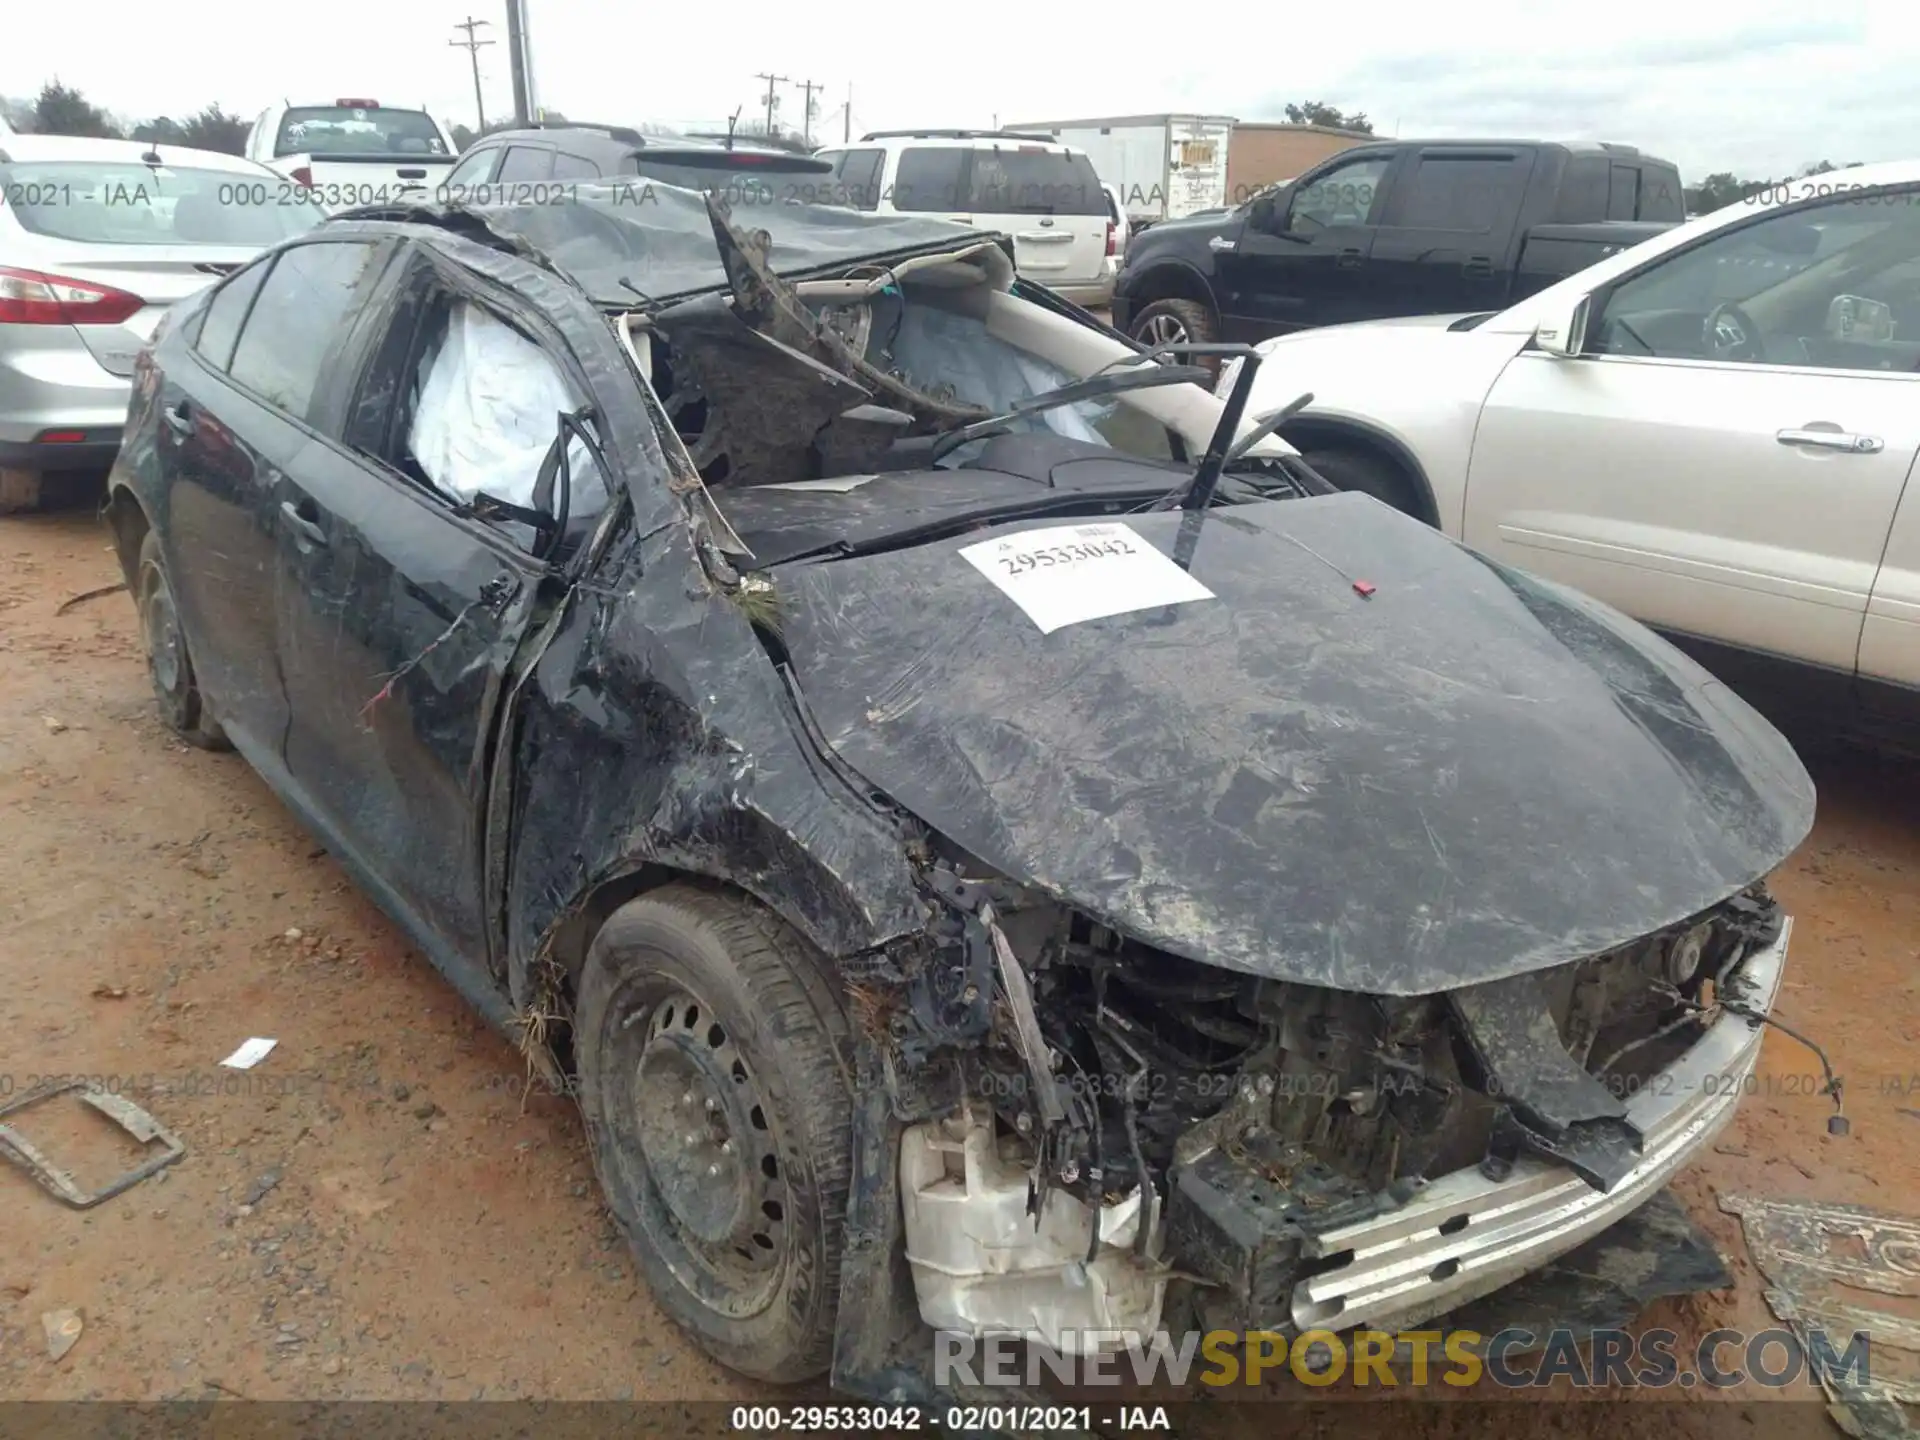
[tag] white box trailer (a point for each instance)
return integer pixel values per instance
(1166, 167)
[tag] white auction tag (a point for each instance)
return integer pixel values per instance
(1069, 573)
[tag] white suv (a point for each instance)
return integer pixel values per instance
(1042, 193)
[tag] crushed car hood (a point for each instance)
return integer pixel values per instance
(1471, 774)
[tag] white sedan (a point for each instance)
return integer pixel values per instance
(1712, 431)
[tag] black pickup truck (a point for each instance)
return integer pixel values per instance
(1393, 228)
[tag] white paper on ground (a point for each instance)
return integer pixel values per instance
(1068, 573)
(250, 1054)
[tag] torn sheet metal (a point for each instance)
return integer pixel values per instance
(1394, 796)
(1818, 1259)
(58, 1182)
(1065, 574)
(629, 241)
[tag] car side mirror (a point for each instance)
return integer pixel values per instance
(1564, 332)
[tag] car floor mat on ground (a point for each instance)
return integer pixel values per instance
(1822, 1261)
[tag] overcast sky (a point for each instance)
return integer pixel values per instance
(1760, 88)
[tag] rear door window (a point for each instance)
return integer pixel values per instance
(856, 175)
(525, 162)
(1033, 181)
(322, 130)
(93, 202)
(573, 167)
(226, 312)
(1660, 194)
(1473, 194)
(301, 312)
(930, 177)
(475, 167)
(1623, 198)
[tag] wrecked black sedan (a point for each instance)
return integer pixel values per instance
(992, 840)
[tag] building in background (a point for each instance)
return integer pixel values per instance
(1261, 153)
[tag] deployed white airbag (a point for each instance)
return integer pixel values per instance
(487, 413)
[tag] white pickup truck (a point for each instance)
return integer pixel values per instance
(352, 152)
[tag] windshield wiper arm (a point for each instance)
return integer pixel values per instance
(1112, 382)
(1269, 422)
(1197, 492)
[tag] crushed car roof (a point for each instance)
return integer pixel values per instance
(634, 240)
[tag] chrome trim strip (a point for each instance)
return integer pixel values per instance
(1404, 1270)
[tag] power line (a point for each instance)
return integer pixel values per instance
(771, 80)
(472, 46)
(806, 110)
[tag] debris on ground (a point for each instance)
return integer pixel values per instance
(146, 1131)
(250, 1053)
(262, 1187)
(86, 595)
(1817, 1259)
(104, 991)
(53, 723)
(63, 1329)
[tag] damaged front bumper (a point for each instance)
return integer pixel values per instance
(984, 1263)
(1466, 1234)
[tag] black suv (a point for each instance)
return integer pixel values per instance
(558, 154)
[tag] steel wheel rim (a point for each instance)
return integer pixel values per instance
(711, 1159)
(162, 633)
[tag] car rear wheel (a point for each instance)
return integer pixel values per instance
(169, 663)
(719, 1110)
(1172, 322)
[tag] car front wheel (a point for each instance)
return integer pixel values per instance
(711, 1049)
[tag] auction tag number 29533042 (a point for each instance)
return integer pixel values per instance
(1068, 573)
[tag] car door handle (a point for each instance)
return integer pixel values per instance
(178, 417)
(304, 518)
(1832, 440)
(1350, 259)
(1480, 265)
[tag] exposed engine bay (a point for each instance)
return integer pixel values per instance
(1147, 1119)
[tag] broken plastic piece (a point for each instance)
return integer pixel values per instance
(983, 1265)
(123, 1112)
(1364, 589)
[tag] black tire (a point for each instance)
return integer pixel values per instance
(169, 663)
(699, 1008)
(1350, 469)
(1165, 321)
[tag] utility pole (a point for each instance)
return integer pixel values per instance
(806, 110)
(517, 58)
(771, 80)
(846, 123)
(472, 46)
